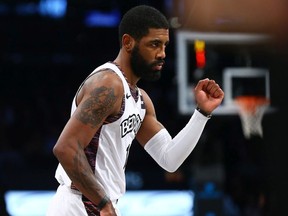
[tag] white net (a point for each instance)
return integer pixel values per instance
(251, 112)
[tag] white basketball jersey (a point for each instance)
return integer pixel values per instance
(108, 151)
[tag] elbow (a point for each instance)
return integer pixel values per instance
(64, 151)
(58, 151)
(169, 164)
(171, 168)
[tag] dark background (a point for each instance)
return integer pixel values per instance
(44, 58)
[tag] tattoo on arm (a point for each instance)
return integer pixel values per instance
(82, 173)
(97, 106)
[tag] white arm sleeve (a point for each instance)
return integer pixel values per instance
(170, 153)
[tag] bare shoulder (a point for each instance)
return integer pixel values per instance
(100, 82)
(105, 77)
(100, 96)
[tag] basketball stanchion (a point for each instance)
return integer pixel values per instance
(251, 111)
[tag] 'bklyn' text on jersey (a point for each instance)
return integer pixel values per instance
(132, 123)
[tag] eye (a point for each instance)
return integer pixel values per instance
(155, 43)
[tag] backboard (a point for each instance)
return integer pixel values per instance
(245, 81)
(229, 63)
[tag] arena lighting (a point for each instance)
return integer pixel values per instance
(95, 18)
(49, 8)
(53, 8)
(166, 202)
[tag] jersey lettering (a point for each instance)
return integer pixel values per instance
(132, 123)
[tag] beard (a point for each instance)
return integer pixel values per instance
(142, 68)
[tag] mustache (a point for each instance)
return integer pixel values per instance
(160, 61)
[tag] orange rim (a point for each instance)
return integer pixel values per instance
(251, 103)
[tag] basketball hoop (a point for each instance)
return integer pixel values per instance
(251, 112)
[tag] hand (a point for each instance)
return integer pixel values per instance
(208, 95)
(108, 210)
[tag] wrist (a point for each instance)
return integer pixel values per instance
(103, 202)
(208, 115)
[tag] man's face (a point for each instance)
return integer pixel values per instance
(147, 56)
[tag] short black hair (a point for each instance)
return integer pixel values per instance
(138, 20)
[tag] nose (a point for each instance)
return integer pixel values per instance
(161, 54)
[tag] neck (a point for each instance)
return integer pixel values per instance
(124, 65)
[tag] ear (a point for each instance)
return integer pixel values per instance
(128, 42)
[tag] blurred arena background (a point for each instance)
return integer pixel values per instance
(47, 47)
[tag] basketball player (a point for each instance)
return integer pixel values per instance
(109, 111)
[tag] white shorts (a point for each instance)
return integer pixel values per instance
(68, 202)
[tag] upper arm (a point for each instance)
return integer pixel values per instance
(150, 125)
(100, 96)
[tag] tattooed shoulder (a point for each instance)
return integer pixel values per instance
(97, 106)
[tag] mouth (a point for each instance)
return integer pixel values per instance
(158, 65)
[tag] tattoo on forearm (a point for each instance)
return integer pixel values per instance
(82, 173)
(96, 107)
